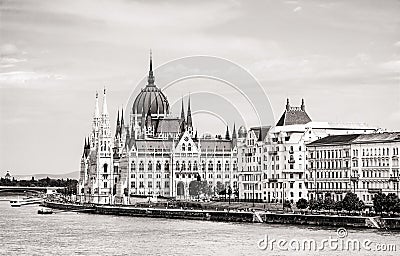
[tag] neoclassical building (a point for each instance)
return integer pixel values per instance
(155, 153)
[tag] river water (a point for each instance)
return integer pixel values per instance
(24, 232)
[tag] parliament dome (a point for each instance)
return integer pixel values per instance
(151, 97)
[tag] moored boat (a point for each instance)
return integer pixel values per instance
(25, 201)
(45, 211)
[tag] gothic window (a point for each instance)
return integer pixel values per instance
(203, 165)
(210, 166)
(183, 147)
(105, 166)
(150, 166)
(166, 166)
(219, 166)
(141, 166)
(133, 166)
(227, 166)
(183, 166)
(150, 184)
(195, 166)
(189, 147)
(158, 166)
(189, 166)
(177, 167)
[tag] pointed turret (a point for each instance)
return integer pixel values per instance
(182, 111)
(105, 111)
(122, 118)
(118, 128)
(287, 104)
(189, 117)
(234, 136)
(303, 106)
(227, 137)
(96, 107)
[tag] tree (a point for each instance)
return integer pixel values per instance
(379, 202)
(315, 204)
(328, 203)
(390, 202)
(287, 204)
(302, 204)
(338, 206)
(351, 202)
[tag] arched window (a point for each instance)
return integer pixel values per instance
(227, 166)
(210, 166)
(158, 166)
(189, 166)
(141, 166)
(219, 166)
(183, 147)
(203, 165)
(183, 166)
(189, 147)
(150, 166)
(166, 166)
(133, 166)
(195, 168)
(105, 166)
(177, 166)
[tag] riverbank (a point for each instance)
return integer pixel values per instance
(234, 216)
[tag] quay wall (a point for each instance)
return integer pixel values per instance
(235, 216)
(177, 213)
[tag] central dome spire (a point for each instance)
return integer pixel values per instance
(150, 78)
(151, 97)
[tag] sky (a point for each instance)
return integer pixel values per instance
(342, 57)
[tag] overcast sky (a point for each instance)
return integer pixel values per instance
(343, 57)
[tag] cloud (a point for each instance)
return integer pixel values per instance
(18, 77)
(397, 44)
(8, 50)
(297, 9)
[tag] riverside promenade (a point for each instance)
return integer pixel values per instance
(246, 216)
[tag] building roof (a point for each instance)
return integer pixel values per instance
(334, 140)
(261, 132)
(294, 115)
(378, 137)
(216, 145)
(168, 125)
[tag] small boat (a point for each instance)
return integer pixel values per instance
(45, 211)
(25, 201)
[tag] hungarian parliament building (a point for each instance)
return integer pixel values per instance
(158, 154)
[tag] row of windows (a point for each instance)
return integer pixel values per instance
(183, 166)
(329, 164)
(378, 151)
(149, 184)
(334, 174)
(330, 154)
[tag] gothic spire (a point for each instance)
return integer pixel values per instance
(96, 107)
(122, 118)
(105, 112)
(227, 137)
(182, 111)
(303, 106)
(234, 131)
(189, 115)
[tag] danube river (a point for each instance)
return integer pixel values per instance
(24, 232)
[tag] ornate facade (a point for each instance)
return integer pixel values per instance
(154, 154)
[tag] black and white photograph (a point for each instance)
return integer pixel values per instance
(171, 127)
